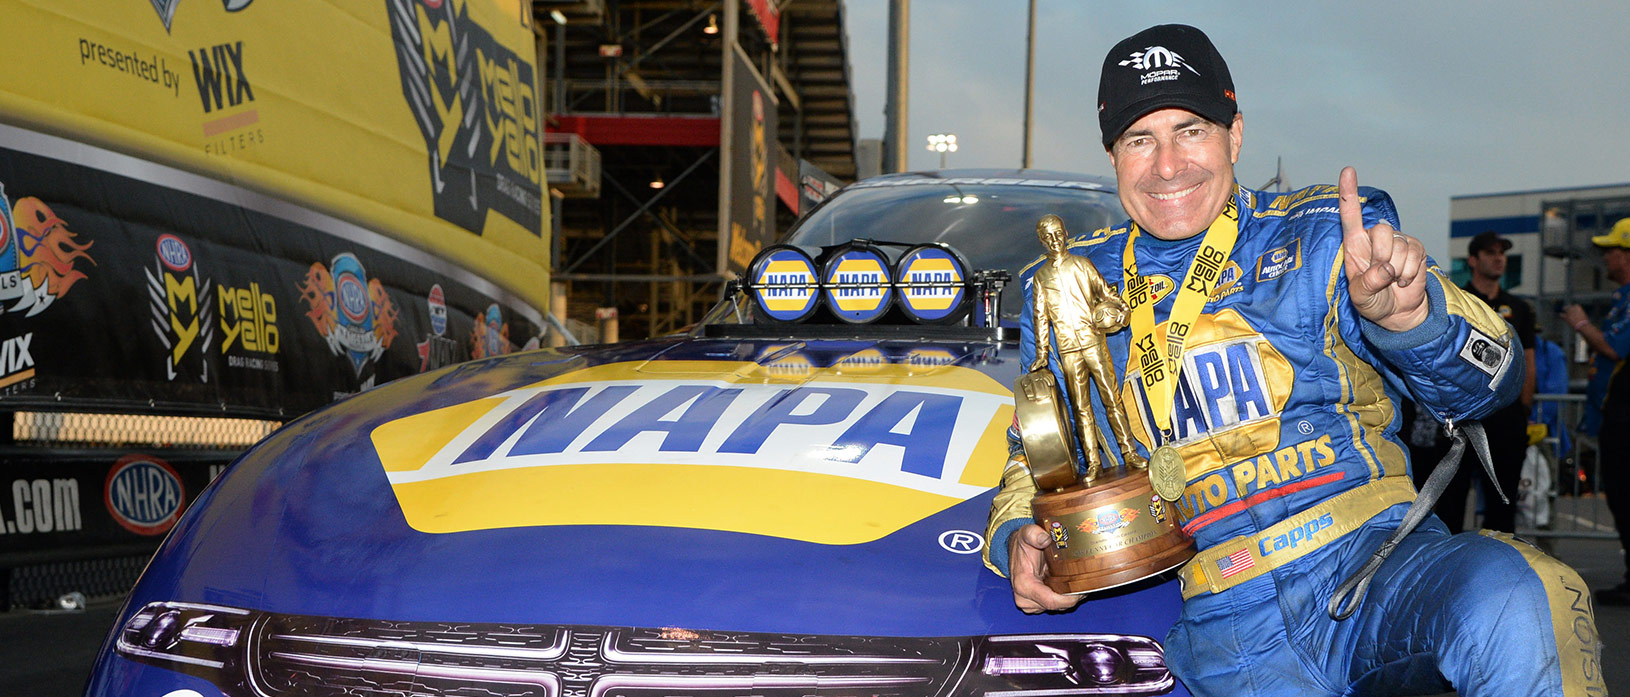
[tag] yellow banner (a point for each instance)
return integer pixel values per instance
(418, 119)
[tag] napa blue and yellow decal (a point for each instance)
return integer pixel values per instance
(857, 287)
(785, 284)
(933, 283)
(698, 443)
(1231, 390)
(1278, 262)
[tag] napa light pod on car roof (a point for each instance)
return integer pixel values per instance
(933, 284)
(784, 283)
(856, 282)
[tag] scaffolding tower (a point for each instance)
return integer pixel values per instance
(635, 91)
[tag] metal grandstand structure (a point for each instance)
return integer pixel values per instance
(636, 89)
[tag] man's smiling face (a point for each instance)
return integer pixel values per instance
(1175, 171)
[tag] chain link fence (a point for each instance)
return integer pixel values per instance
(59, 429)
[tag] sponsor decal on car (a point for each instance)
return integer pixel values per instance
(695, 443)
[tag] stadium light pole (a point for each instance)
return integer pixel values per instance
(942, 143)
(1029, 85)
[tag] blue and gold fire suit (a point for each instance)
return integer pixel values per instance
(1284, 413)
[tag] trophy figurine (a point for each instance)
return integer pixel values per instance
(1109, 527)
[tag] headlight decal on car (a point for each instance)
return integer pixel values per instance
(868, 453)
(278, 654)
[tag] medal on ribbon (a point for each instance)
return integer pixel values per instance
(1157, 349)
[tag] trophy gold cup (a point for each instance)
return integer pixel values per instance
(1109, 526)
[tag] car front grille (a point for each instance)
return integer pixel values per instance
(304, 655)
(254, 654)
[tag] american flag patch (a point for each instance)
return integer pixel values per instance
(1235, 563)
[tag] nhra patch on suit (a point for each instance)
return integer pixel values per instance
(1487, 354)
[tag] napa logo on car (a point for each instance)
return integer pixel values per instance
(144, 494)
(932, 283)
(825, 457)
(786, 284)
(857, 286)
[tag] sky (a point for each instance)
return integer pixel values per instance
(1427, 100)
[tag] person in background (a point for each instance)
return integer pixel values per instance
(1609, 390)
(1507, 427)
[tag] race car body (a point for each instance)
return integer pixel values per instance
(750, 509)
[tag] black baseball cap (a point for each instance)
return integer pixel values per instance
(1171, 65)
(1485, 240)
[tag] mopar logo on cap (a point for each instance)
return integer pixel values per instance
(932, 284)
(174, 253)
(784, 283)
(857, 285)
(144, 494)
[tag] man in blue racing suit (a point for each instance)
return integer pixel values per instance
(1314, 314)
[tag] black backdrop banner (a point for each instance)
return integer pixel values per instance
(126, 285)
(53, 503)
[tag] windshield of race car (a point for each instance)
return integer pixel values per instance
(993, 225)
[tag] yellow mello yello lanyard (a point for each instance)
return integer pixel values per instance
(1157, 360)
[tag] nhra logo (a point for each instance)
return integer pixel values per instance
(144, 495)
(39, 259)
(181, 305)
(477, 108)
(173, 253)
(865, 455)
(351, 311)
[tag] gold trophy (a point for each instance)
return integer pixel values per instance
(1109, 527)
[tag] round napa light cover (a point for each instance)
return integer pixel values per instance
(856, 284)
(933, 284)
(784, 283)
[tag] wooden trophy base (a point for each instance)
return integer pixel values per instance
(1112, 533)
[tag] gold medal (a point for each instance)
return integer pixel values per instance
(1166, 473)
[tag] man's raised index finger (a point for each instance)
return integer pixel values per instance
(1352, 215)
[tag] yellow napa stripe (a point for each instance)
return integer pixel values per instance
(1573, 621)
(406, 444)
(1337, 351)
(989, 456)
(825, 509)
